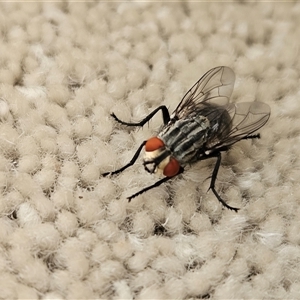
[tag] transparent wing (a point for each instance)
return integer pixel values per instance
(214, 87)
(246, 118)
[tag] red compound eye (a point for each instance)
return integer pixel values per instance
(154, 144)
(172, 168)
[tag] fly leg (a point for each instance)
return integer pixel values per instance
(165, 115)
(253, 136)
(213, 181)
(216, 169)
(133, 160)
(215, 174)
(158, 183)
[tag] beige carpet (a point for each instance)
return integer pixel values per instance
(66, 232)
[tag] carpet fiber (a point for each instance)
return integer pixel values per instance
(67, 232)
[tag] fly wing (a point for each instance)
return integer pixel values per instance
(246, 118)
(214, 87)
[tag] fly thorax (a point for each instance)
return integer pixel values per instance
(158, 158)
(185, 137)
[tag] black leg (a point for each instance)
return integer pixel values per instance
(213, 181)
(156, 184)
(254, 136)
(165, 114)
(133, 160)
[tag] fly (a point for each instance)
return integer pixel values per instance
(203, 125)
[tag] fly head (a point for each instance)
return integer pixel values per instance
(158, 158)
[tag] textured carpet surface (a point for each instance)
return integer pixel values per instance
(68, 232)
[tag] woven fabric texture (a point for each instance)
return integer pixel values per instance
(67, 232)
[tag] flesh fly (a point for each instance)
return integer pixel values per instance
(203, 125)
